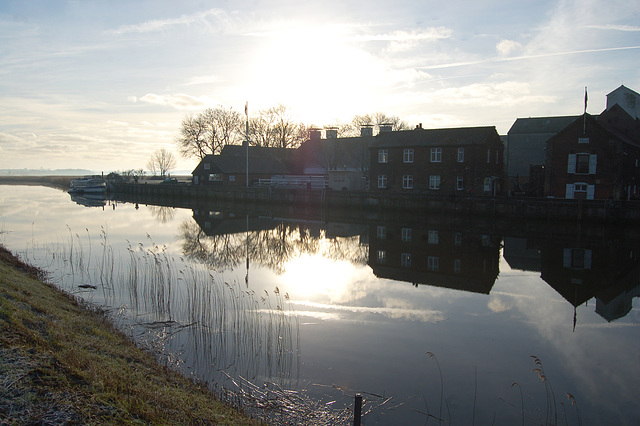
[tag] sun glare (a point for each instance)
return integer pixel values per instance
(316, 278)
(309, 68)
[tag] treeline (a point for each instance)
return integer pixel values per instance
(209, 131)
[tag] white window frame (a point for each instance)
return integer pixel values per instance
(207, 166)
(407, 182)
(577, 258)
(460, 155)
(382, 181)
(406, 234)
(407, 155)
(460, 183)
(457, 266)
(436, 155)
(433, 237)
(215, 177)
(433, 263)
(381, 232)
(434, 182)
(572, 163)
(405, 260)
(381, 256)
(383, 156)
(458, 239)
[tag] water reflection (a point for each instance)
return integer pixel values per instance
(579, 266)
(370, 294)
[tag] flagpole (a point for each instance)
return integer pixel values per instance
(246, 138)
(584, 120)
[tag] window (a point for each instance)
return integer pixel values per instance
(382, 232)
(488, 155)
(407, 181)
(576, 258)
(207, 166)
(456, 266)
(460, 183)
(582, 163)
(215, 177)
(436, 155)
(406, 234)
(232, 178)
(434, 182)
(405, 260)
(382, 181)
(407, 155)
(433, 237)
(580, 191)
(460, 155)
(383, 156)
(433, 263)
(382, 256)
(583, 140)
(458, 239)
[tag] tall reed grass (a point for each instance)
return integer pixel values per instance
(212, 330)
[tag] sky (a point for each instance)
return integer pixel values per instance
(102, 85)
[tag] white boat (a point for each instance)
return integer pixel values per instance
(88, 184)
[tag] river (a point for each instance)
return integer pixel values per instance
(428, 318)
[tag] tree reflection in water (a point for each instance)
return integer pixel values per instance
(272, 248)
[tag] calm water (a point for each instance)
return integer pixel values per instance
(426, 317)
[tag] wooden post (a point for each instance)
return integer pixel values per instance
(357, 410)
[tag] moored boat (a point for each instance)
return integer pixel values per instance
(88, 184)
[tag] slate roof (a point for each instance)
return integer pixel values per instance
(541, 124)
(432, 137)
(231, 164)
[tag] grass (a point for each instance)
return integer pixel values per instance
(63, 362)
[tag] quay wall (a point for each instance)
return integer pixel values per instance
(507, 207)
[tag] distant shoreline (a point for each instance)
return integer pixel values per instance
(59, 182)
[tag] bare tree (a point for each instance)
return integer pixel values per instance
(162, 161)
(209, 131)
(274, 127)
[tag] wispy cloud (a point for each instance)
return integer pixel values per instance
(164, 24)
(526, 57)
(178, 101)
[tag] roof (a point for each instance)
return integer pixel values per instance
(541, 124)
(428, 137)
(229, 164)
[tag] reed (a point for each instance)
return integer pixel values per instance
(189, 317)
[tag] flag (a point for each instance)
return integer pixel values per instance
(585, 99)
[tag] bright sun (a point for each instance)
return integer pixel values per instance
(309, 69)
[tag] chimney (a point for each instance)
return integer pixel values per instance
(366, 131)
(331, 132)
(386, 127)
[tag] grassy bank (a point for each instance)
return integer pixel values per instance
(61, 362)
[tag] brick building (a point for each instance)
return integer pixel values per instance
(437, 161)
(595, 158)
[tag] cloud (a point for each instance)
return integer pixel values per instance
(631, 28)
(178, 101)
(165, 24)
(431, 34)
(505, 47)
(203, 79)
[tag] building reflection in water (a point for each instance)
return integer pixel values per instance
(580, 268)
(579, 264)
(435, 256)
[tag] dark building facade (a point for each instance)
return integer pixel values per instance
(595, 158)
(438, 161)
